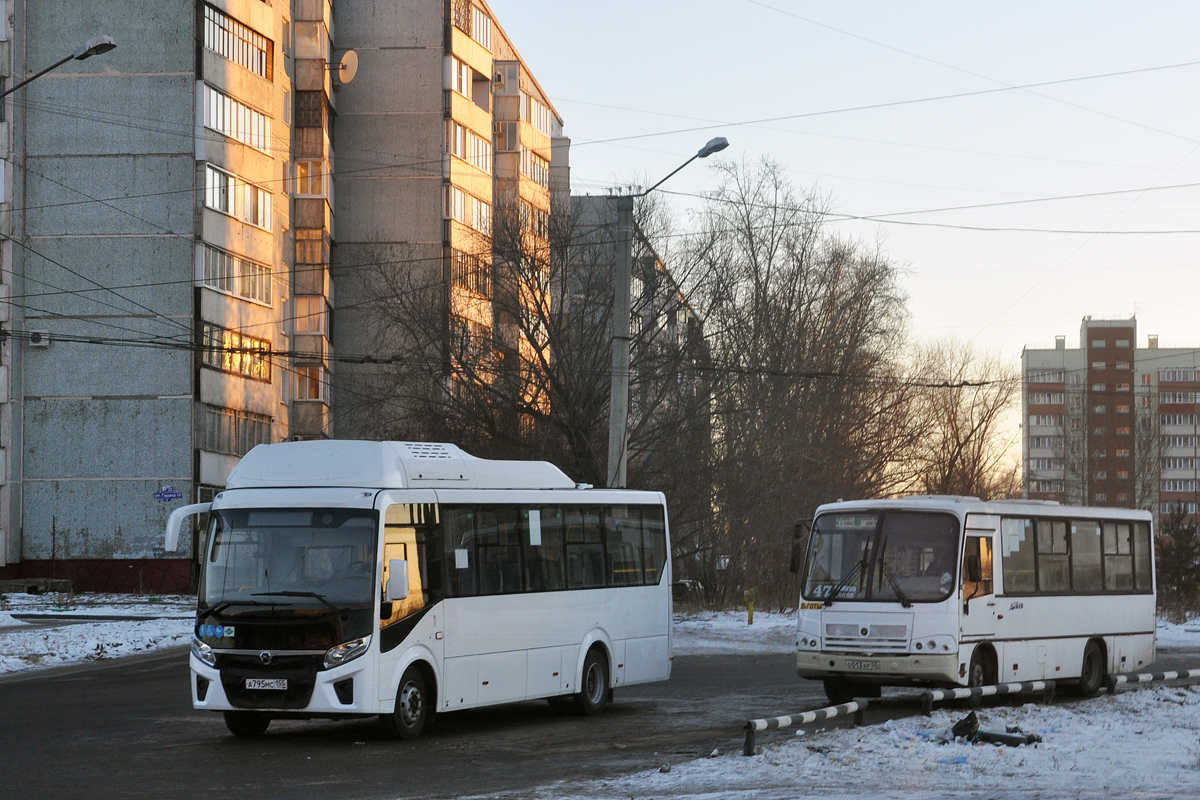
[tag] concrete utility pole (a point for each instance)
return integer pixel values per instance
(618, 403)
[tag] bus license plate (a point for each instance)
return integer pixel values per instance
(267, 683)
(862, 665)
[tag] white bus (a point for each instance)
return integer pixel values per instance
(952, 591)
(349, 578)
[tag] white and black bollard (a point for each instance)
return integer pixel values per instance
(928, 698)
(753, 726)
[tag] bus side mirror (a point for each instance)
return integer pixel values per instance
(397, 588)
(974, 569)
(798, 541)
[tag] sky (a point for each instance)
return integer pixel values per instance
(621, 69)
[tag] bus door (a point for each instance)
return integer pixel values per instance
(407, 527)
(978, 585)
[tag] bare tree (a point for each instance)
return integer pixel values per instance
(968, 421)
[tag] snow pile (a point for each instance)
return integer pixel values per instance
(1137, 743)
(8, 620)
(45, 647)
(713, 632)
(97, 604)
(1170, 634)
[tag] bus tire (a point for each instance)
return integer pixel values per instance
(246, 723)
(594, 691)
(1092, 672)
(981, 673)
(412, 706)
(840, 690)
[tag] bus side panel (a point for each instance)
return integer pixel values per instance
(641, 618)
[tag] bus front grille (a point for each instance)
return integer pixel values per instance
(299, 670)
(866, 638)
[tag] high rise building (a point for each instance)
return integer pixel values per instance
(169, 209)
(1109, 423)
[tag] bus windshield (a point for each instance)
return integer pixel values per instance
(304, 558)
(890, 556)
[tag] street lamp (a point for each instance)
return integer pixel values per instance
(92, 47)
(618, 404)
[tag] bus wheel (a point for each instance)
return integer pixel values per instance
(246, 723)
(839, 691)
(980, 674)
(595, 693)
(1091, 675)
(412, 707)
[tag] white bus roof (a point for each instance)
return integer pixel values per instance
(386, 465)
(973, 505)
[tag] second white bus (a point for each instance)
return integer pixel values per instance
(954, 591)
(399, 579)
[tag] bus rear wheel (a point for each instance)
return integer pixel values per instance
(981, 673)
(1091, 674)
(246, 723)
(412, 707)
(594, 692)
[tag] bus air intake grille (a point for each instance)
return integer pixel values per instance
(299, 670)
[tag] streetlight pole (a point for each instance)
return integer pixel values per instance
(618, 404)
(93, 47)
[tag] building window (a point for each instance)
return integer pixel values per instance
(311, 383)
(1176, 397)
(1099, 365)
(1101, 497)
(1124, 365)
(1099, 387)
(1122, 409)
(1188, 485)
(231, 195)
(220, 190)
(1124, 431)
(1102, 454)
(1045, 487)
(235, 352)
(1046, 398)
(535, 167)
(1122, 343)
(481, 28)
(1044, 463)
(1147, 379)
(310, 314)
(469, 210)
(1045, 419)
(1098, 344)
(310, 178)
(470, 147)
(471, 272)
(1179, 441)
(1099, 431)
(244, 46)
(1176, 375)
(1101, 475)
(1045, 442)
(1167, 508)
(227, 430)
(236, 120)
(1177, 419)
(311, 246)
(237, 276)
(1045, 376)
(1179, 463)
(460, 77)
(1122, 452)
(1123, 387)
(1101, 409)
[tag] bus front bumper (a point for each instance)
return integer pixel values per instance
(208, 693)
(886, 670)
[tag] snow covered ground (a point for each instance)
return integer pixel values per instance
(710, 632)
(64, 634)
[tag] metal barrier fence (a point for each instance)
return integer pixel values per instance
(931, 696)
(1147, 677)
(804, 718)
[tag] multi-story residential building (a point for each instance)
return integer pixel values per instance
(153, 306)
(171, 211)
(1109, 423)
(446, 140)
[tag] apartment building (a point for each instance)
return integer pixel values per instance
(448, 147)
(1111, 423)
(155, 334)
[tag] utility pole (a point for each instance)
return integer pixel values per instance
(618, 404)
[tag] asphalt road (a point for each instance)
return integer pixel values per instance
(126, 729)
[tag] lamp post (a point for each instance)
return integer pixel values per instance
(618, 404)
(92, 47)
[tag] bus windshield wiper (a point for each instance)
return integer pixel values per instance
(216, 608)
(833, 593)
(315, 595)
(891, 579)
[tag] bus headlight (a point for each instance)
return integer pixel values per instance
(348, 651)
(203, 652)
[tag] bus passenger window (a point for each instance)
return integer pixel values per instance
(1054, 573)
(499, 550)
(1085, 557)
(623, 534)
(1118, 556)
(585, 548)
(1016, 549)
(544, 562)
(654, 539)
(458, 540)
(1141, 556)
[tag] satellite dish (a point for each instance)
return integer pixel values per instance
(348, 67)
